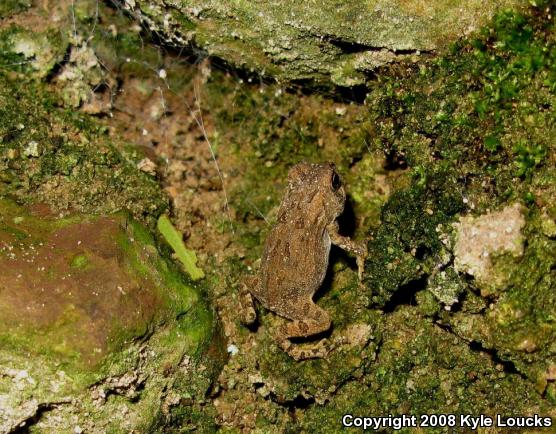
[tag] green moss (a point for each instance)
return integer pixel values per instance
(11, 7)
(320, 378)
(478, 109)
(66, 170)
(181, 296)
(139, 254)
(427, 304)
(422, 369)
(79, 261)
(184, 22)
(407, 246)
(475, 129)
(467, 124)
(528, 157)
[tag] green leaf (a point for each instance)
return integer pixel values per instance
(186, 256)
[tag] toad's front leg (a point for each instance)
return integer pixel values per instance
(350, 246)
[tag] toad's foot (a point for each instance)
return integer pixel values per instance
(318, 350)
(247, 314)
(304, 328)
(299, 352)
(358, 249)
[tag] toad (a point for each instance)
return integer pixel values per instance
(295, 258)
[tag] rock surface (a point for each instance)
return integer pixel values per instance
(478, 239)
(98, 330)
(323, 42)
(92, 320)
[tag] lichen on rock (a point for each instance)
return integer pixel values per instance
(34, 52)
(329, 43)
(480, 238)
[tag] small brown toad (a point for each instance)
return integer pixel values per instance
(295, 257)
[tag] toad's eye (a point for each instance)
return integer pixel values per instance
(335, 181)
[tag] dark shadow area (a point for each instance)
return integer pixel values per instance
(350, 47)
(26, 424)
(300, 402)
(58, 66)
(422, 252)
(254, 326)
(336, 254)
(405, 295)
(313, 338)
(394, 160)
(346, 220)
(356, 94)
(509, 367)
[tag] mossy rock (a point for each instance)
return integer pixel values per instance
(325, 43)
(422, 368)
(469, 132)
(520, 324)
(98, 331)
(470, 135)
(34, 53)
(65, 159)
(468, 242)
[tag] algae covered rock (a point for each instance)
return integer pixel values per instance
(448, 159)
(518, 322)
(324, 42)
(97, 330)
(31, 51)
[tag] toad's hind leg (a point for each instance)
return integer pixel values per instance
(317, 321)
